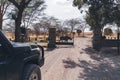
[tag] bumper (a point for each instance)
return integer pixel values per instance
(41, 62)
(42, 59)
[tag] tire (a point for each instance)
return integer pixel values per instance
(32, 72)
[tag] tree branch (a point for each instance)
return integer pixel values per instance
(27, 2)
(14, 2)
(5, 8)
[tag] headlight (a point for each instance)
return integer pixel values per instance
(40, 52)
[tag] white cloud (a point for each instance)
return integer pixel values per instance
(63, 2)
(62, 9)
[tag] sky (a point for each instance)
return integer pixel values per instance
(62, 9)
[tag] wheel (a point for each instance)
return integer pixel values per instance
(32, 72)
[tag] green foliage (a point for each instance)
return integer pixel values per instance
(100, 12)
(90, 21)
(21, 5)
(78, 3)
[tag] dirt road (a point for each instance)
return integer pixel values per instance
(80, 63)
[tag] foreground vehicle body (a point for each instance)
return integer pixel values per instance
(20, 61)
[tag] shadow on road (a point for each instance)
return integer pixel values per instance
(59, 46)
(105, 65)
(70, 63)
(50, 49)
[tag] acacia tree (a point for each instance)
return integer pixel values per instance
(3, 7)
(45, 23)
(37, 30)
(72, 23)
(100, 12)
(21, 5)
(82, 26)
(32, 12)
(40, 28)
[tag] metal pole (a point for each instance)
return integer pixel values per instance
(73, 38)
(118, 50)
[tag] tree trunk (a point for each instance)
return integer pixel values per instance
(44, 34)
(97, 38)
(83, 33)
(17, 26)
(1, 21)
(1, 16)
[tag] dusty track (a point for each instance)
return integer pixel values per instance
(80, 63)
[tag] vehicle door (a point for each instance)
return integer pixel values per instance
(2, 63)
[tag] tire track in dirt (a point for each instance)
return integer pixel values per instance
(55, 65)
(54, 68)
(50, 60)
(73, 73)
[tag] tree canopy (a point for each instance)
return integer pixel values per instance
(4, 4)
(100, 12)
(21, 5)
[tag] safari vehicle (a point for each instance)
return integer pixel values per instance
(19, 61)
